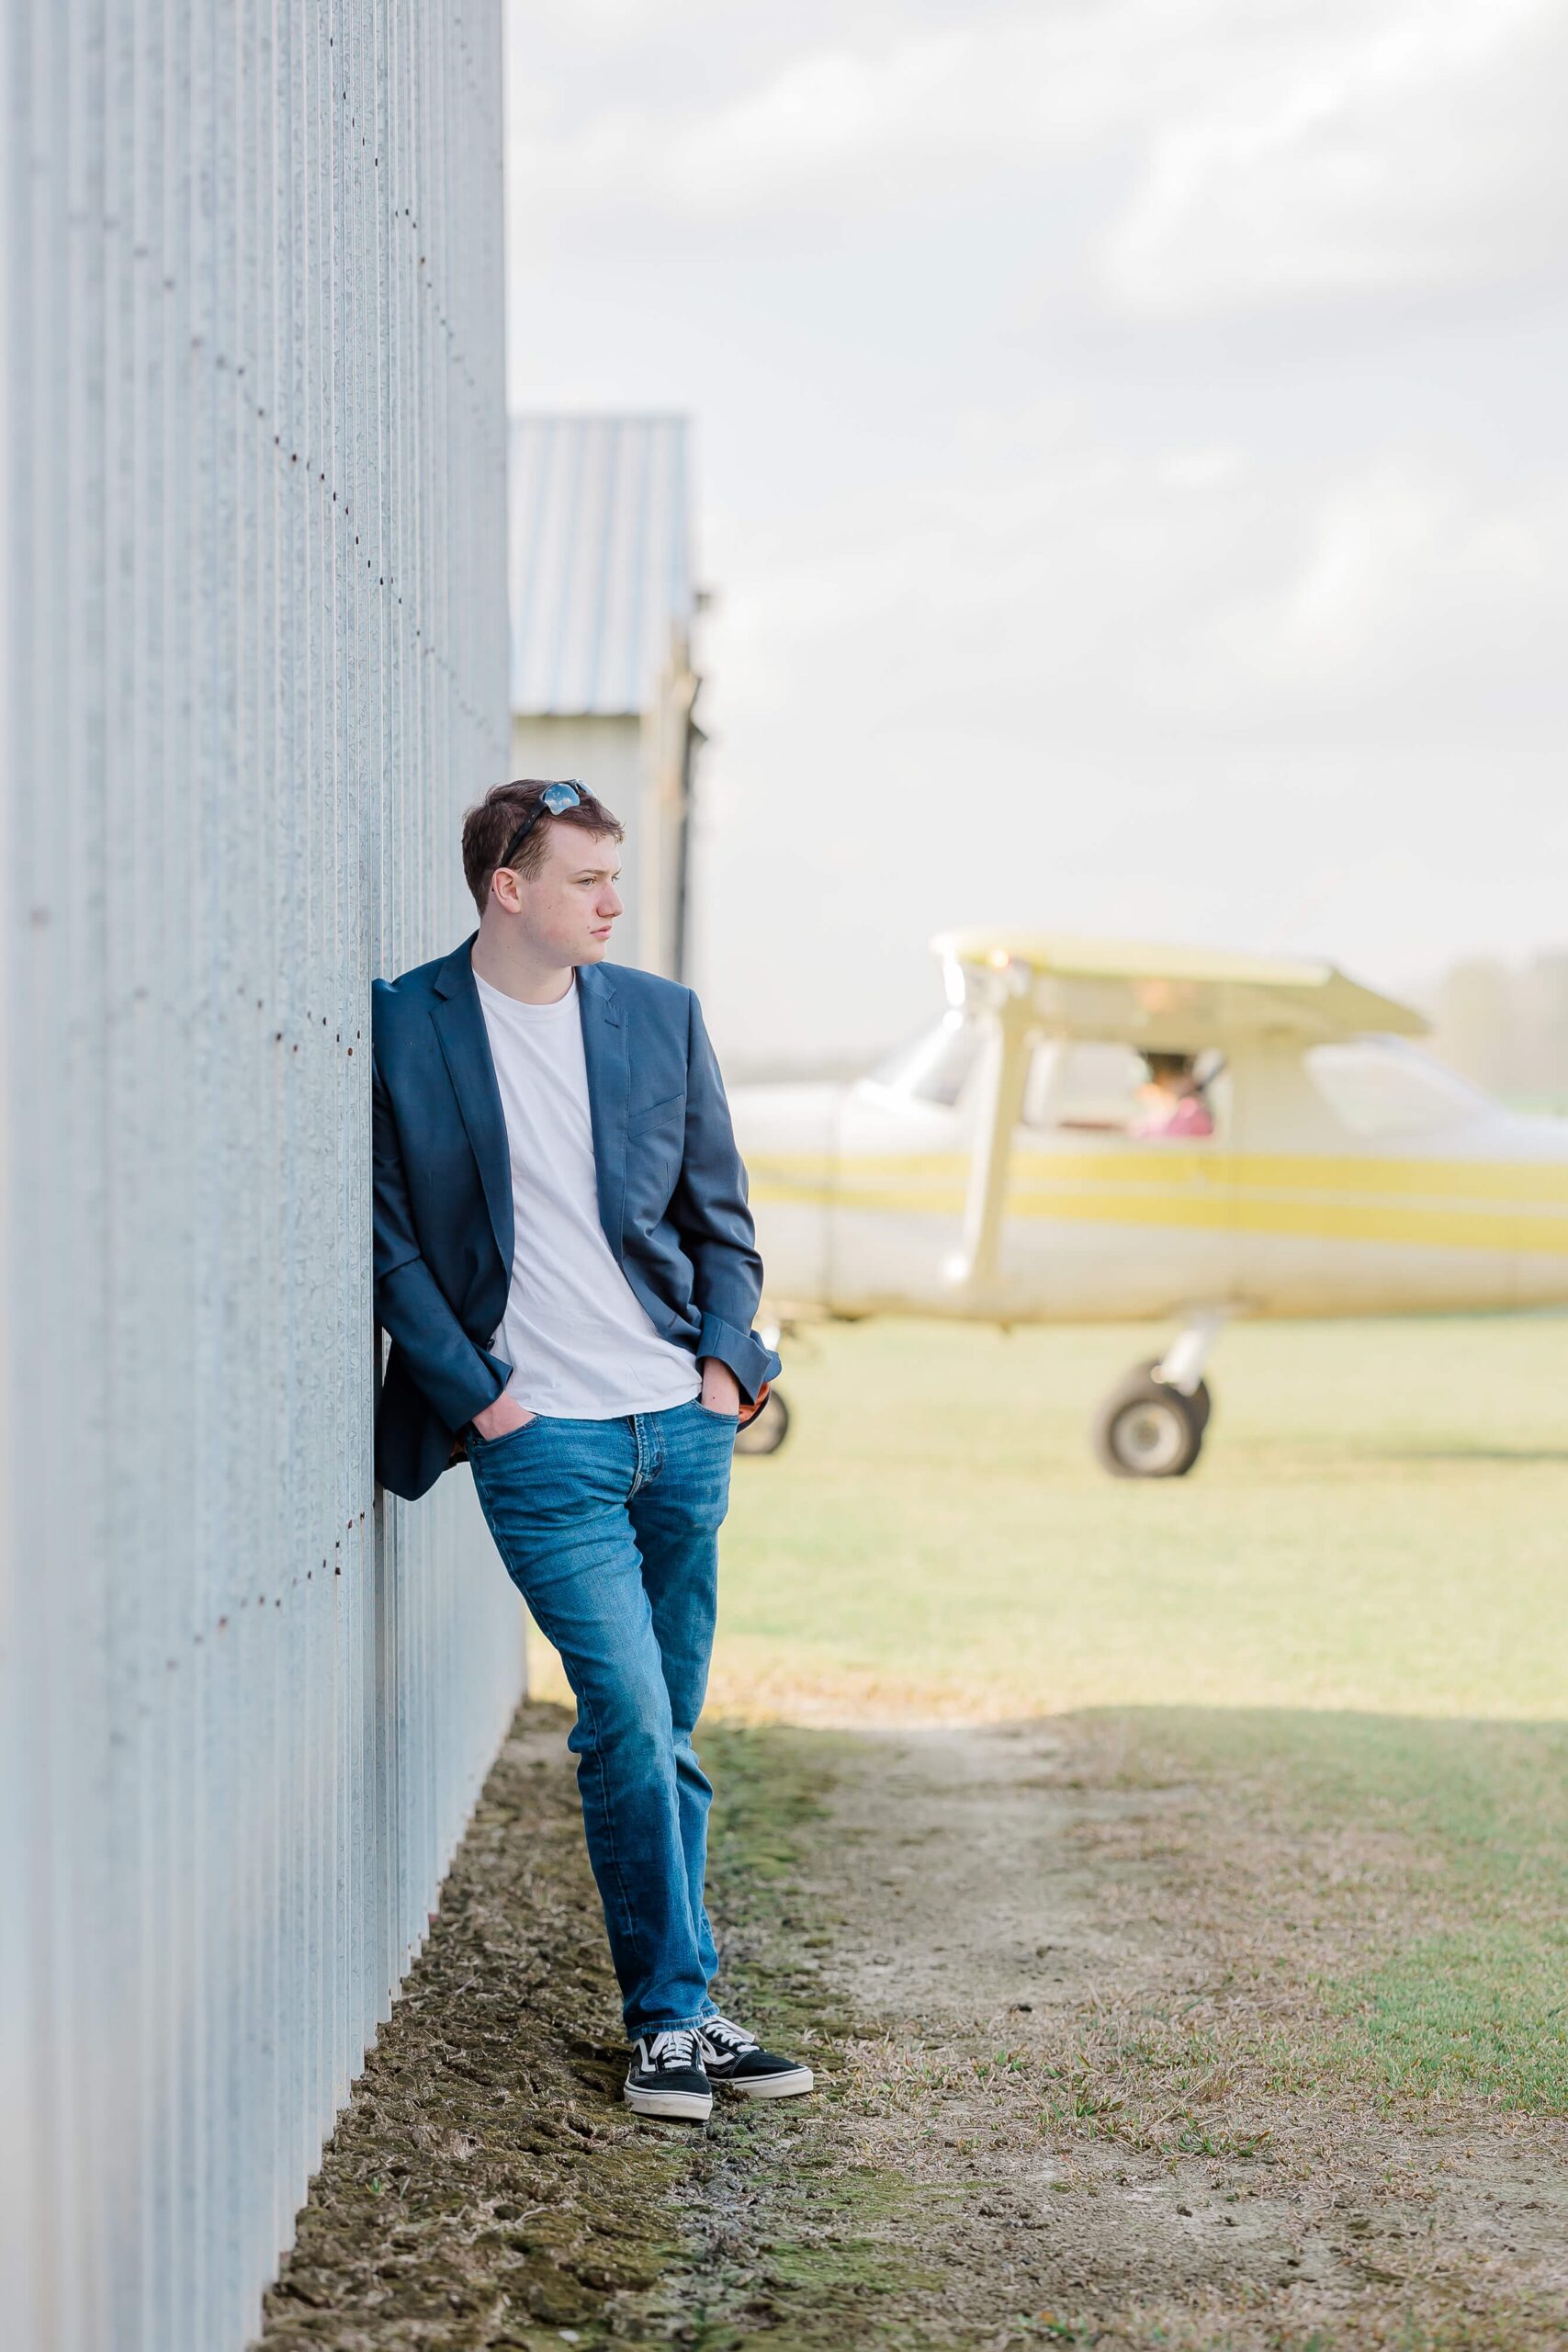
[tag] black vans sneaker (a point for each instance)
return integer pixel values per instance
(666, 2077)
(736, 2060)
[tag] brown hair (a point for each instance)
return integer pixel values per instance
(489, 827)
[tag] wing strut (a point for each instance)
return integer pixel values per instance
(999, 1086)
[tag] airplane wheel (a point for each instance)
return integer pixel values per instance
(1145, 1430)
(768, 1430)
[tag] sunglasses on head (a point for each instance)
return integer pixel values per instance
(550, 802)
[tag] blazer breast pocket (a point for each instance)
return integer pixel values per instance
(657, 1117)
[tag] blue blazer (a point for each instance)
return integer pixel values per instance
(672, 1193)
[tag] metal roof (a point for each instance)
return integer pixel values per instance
(601, 564)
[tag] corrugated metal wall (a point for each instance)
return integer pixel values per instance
(254, 634)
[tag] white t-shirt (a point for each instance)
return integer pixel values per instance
(580, 1341)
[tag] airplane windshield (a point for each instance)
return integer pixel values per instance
(1381, 1086)
(933, 1067)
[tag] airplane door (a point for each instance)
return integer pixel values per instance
(1104, 1221)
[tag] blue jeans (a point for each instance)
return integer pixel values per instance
(610, 1531)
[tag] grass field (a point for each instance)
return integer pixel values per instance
(1379, 1522)
(1376, 1537)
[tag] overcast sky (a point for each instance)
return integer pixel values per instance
(1130, 463)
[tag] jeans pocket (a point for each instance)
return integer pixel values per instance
(482, 1444)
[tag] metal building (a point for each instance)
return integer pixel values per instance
(603, 611)
(254, 655)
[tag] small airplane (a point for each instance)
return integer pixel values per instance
(1096, 1131)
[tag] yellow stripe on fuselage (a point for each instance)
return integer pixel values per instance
(1454, 1204)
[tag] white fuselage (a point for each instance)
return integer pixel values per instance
(1292, 1208)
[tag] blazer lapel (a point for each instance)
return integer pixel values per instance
(605, 1051)
(460, 1026)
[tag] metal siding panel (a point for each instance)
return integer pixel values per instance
(619, 651)
(600, 561)
(254, 614)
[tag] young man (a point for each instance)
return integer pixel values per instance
(566, 1268)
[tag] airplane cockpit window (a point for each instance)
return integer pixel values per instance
(1381, 1086)
(935, 1066)
(1119, 1090)
(1173, 1101)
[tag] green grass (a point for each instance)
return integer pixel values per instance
(1452, 1890)
(1481, 2010)
(1358, 1601)
(1378, 1522)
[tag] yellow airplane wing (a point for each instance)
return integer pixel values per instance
(1180, 997)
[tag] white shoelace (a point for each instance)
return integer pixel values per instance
(677, 2047)
(733, 2037)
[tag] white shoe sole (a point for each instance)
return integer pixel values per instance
(791, 2086)
(674, 2107)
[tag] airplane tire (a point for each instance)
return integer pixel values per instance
(768, 1432)
(1145, 1430)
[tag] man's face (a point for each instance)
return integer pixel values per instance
(567, 910)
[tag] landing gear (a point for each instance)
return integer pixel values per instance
(1152, 1424)
(768, 1430)
(1148, 1430)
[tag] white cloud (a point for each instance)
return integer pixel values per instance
(1060, 430)
(1418, 599)
(834, 125)
(1410, 145)
(1265, 150)
(1082, 598)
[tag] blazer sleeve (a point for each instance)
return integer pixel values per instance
(710, 1214)
(458, 1378)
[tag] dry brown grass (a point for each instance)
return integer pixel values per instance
(1171, 2114)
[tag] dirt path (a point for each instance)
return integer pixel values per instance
(1095, 1990)
(1078, 2086)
